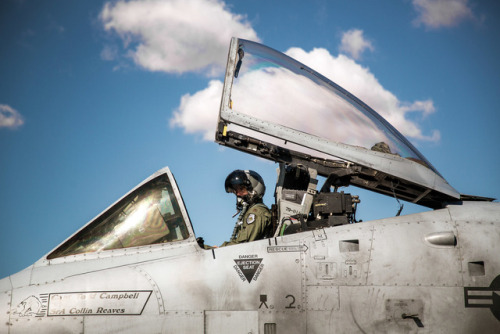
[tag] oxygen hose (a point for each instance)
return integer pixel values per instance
(244, 207)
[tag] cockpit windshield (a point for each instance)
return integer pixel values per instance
(149, 215)
(274, 88)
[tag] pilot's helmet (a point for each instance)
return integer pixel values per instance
(249, 179)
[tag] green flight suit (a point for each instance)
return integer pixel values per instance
(256, 225)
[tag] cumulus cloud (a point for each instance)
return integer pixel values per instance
(9, 117)
(198, 113)
(176, 36)
(354, 43)
(441, 13)
(283, 97)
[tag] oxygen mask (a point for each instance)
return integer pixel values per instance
(241, 204)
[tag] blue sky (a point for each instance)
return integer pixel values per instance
(95, 96)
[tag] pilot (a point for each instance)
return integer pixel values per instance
(254, 221)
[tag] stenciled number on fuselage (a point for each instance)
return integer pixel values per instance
(293, 301)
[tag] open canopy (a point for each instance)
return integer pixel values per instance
(276, 107)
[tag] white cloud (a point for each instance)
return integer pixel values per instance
(176, 36)
(198, 113)
(9, 117)
(441, 13)
(426, 107)
(354, 43)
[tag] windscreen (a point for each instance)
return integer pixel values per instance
(275, 88)
(150, 215)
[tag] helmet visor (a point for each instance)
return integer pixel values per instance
(236, 181)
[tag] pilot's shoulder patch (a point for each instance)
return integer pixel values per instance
(250, 218)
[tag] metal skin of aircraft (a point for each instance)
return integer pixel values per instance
(138, 267)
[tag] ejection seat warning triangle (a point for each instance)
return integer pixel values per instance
(248, 267)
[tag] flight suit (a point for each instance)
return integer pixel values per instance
(256, 225)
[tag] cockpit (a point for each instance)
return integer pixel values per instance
(279, 109)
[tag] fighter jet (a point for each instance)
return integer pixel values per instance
(139, 268)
